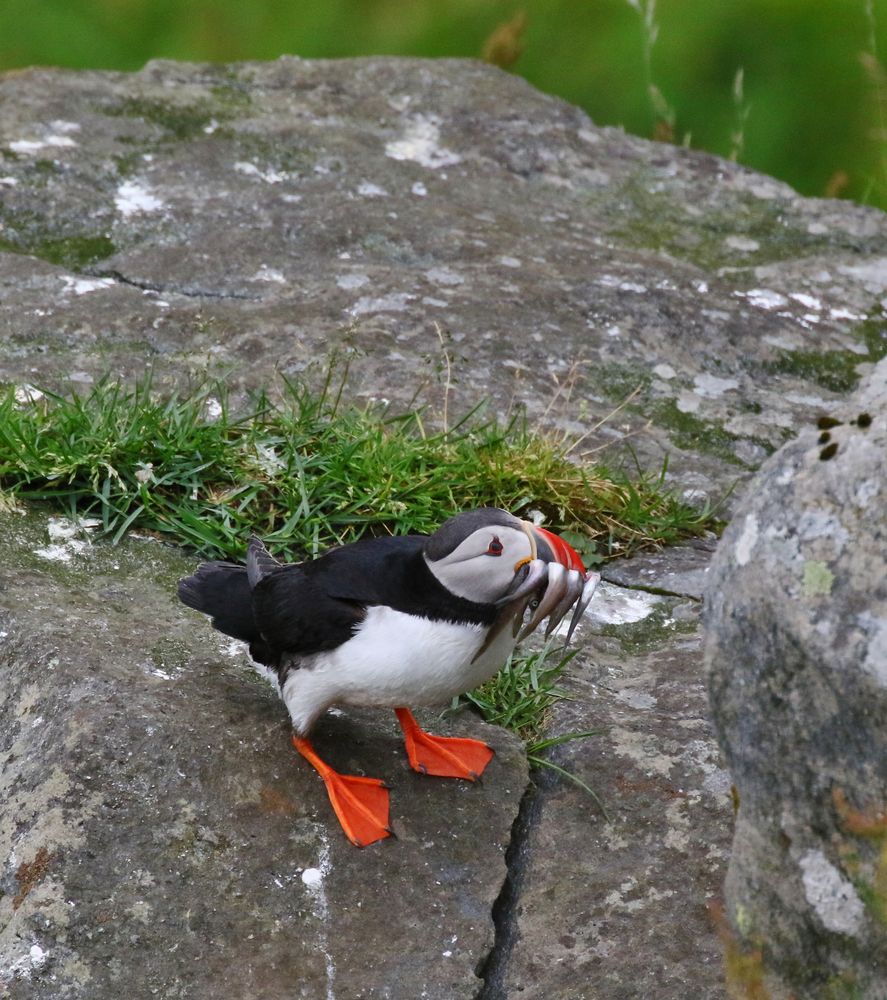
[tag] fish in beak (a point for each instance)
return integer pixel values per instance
(552, 580)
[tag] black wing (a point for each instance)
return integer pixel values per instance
(314, 606)
(295, 615)
(317, 605)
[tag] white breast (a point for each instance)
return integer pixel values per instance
(394, 659)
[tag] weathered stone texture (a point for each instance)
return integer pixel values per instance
(595, 894)
(797, 659)
(159, 835)
(242, 220)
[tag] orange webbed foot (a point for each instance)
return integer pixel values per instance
(361, 804)
(442, 756)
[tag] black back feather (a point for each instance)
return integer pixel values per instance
(310, 607)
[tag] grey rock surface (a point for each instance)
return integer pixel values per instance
(240, 221)
(159, 835)
(797, 660)
(679, 571)
(620, 908)
(244, 219)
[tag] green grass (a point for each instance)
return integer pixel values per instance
(519, 698)
(305, 472)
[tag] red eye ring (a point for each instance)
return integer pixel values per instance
(495, 548)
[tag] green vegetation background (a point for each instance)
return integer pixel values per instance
(809, 106)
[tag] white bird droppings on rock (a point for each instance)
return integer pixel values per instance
(133, 198)
(747, 540)
(266, 273)
(25, 394)
(832, 897)
(64, 543)
(763, 298)
(251, 170)
(742, 243)
(841, 313)
(312, 877)
(369, 190)
(614, 605)
(420, 143)
(25, 146)
(807, 301)
(82, 286)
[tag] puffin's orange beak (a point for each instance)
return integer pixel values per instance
(558, 579)
(551, 548)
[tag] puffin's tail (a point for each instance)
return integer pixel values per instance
(222, 591)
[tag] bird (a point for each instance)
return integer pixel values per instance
(393, 621)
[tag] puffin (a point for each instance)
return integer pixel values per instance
(394, 621)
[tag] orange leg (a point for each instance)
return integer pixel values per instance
(443, 756)
(360, 803)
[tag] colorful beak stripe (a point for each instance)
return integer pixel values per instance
(561, 551)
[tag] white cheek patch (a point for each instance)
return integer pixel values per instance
(483, 579)
(471, 572)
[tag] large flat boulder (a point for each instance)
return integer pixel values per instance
(160, 836)
(244, 219)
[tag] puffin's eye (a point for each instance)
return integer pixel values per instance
(495, 547)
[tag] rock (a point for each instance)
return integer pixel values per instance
(679, 570)
(244, 220)
(797, 662)
(158, 834)
(619, 907)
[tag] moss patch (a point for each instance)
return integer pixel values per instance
(833, 370)
(72, 252)
(169, 654)
(185, 121)
(617, 381)
(179, 121)
(691, 433)
(642, 216)
(873, 333)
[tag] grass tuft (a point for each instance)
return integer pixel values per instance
(305, 472)
(519, 698)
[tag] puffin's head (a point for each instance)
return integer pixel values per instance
(492, 557)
